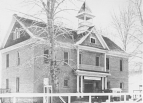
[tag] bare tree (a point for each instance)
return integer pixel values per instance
(124, 23)
(50, 8)
(138, 4)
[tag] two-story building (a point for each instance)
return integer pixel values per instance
(92, 62)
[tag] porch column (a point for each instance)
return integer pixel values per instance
(77, 83)
(105, 82)
(102, 79)
(77, 58)
(105, 62)
(81, 81)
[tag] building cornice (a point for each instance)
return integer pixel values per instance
(118, 54)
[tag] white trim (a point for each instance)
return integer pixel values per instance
(103, 83)
(87, 73)
(92, 78)
(83, 38)
(25, 28)
(8, 31)
(77, 83)
(118, 54)
(100, 38)
(91, 49)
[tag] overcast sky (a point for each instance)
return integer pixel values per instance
(102, 10)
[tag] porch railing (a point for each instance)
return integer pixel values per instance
(15, 96)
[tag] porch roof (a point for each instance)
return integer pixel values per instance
(92, 73)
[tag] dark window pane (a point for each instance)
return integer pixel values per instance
(107, 63)
(17, 84)
(97, 61)
(65, 58)
(121, 65)
(92, 40)
(18, 59)
(46, 55)
(7, 83)
(80, 58)
(65, 82)
(7, 60)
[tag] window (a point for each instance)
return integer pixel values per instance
(65, 82)
(107, 63)
(80, 58)
(108, 84)
(121, 65)
(18, 59)
(92, 40)
(17, 84)
(97, 61)
(7, 60)
(65, 58)
(16, 34)
(7, 83)
(46, 55)
(121, 85)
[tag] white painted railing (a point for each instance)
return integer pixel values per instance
(14, 96)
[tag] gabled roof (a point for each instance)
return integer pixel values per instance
(111, 44)
(71, 37)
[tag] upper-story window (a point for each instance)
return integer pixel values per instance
(121, 65)
(7, 60)
(7, 83)
(107, 63)
(66, 57)
(65, 82)
(16, 34)
(17, 84)
(122, 85)
(18, 58)
(80, 58)
(97, 60)
(92, 40)
(46, 55)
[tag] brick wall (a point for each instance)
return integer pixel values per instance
(24, 71)
(41, 69)
(118, 76)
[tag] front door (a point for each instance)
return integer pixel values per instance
(88, 86)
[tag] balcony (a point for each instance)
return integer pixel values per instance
(91, 67)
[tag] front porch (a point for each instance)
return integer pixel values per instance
(91, 81)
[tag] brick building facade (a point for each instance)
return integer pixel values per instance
(95, 62)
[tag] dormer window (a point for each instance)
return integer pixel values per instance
(92, 40)
(16, 34)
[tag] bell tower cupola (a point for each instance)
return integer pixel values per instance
(85, 18)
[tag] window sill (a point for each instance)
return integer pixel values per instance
(66, 87)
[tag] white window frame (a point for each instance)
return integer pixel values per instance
(16, 34)
(94, 39)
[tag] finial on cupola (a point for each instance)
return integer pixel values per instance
(85, 18)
